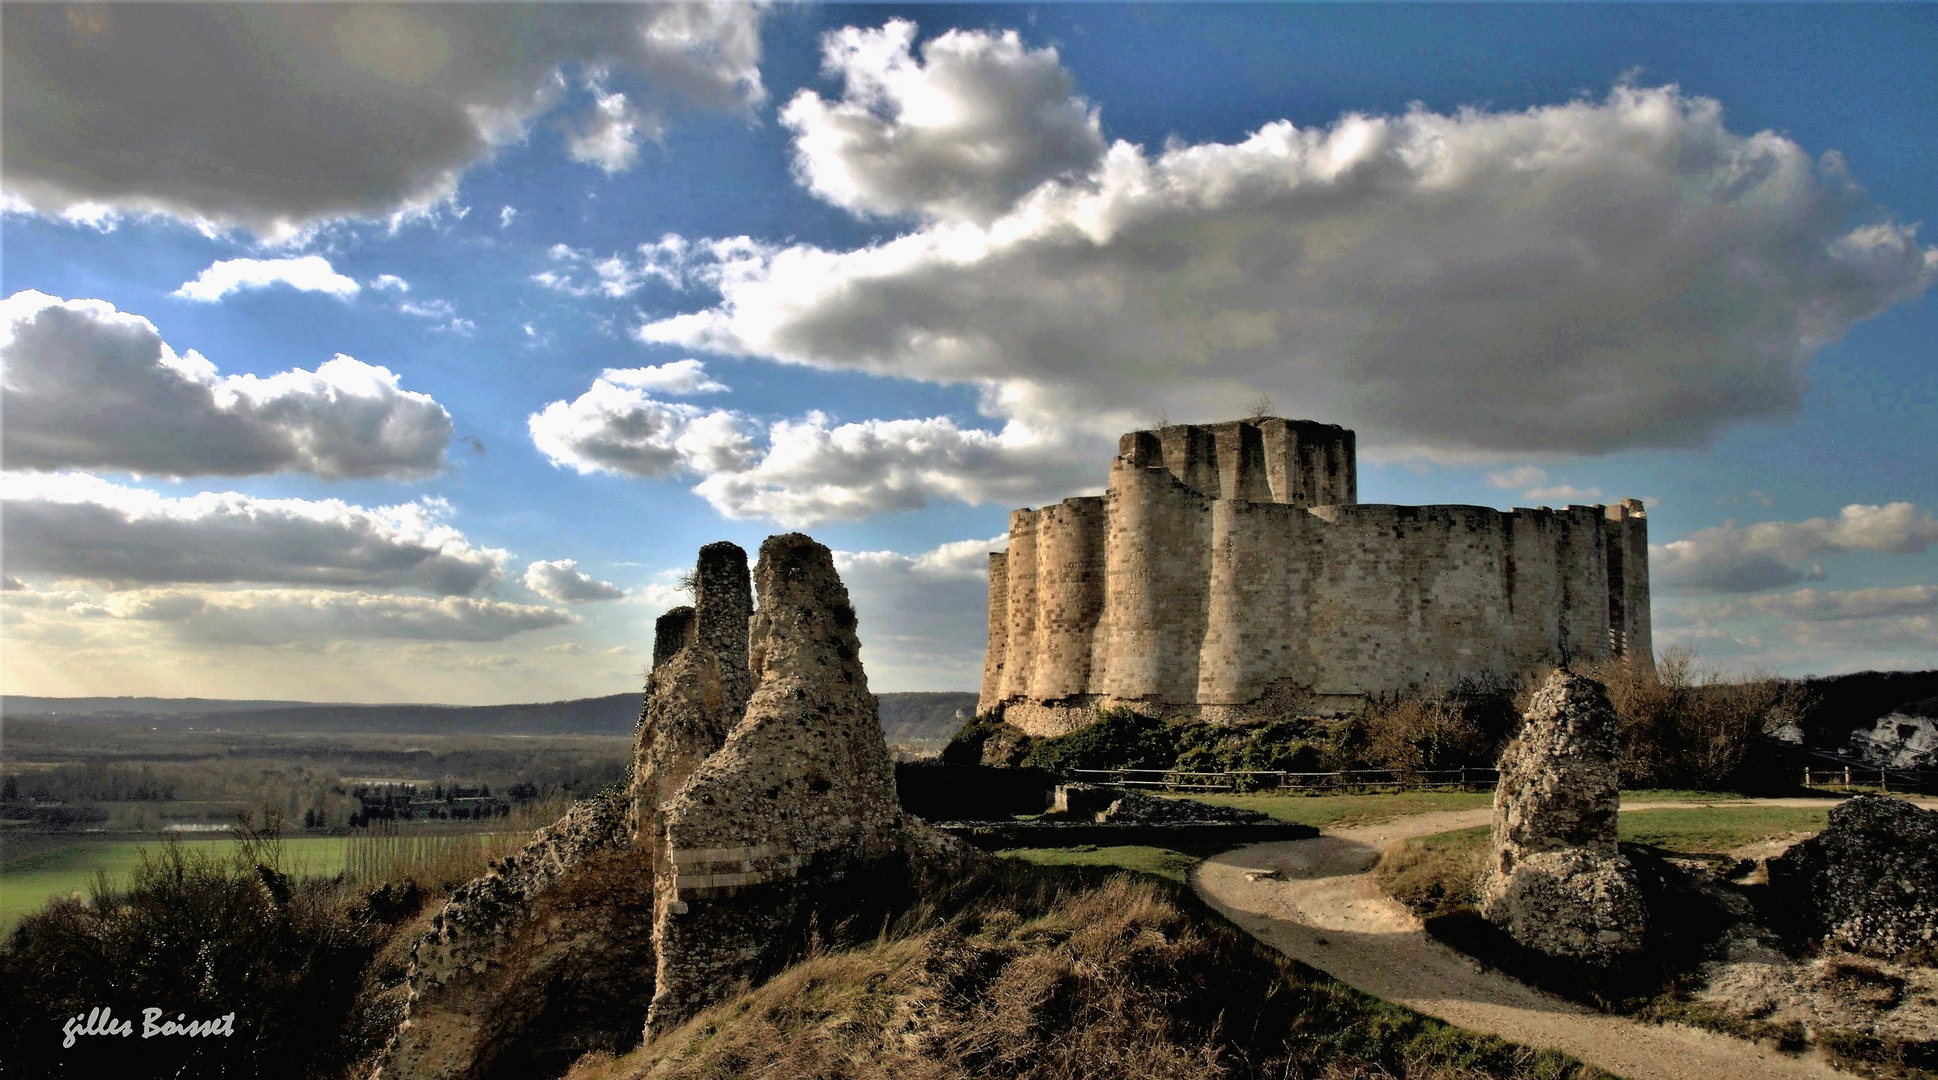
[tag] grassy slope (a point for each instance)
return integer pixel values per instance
(1077, 975)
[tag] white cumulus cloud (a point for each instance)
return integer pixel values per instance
(212, 113)
(924, 617)
(1581, 277)
(309, 273)
(74, 525)
(807, 471)
(609, 137)
(561, 581)
(814, 470)
(678, 378)
(961, 133)
(88, 386)
(623, 429)
(1732, 558)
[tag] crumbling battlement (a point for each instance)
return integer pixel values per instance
(1228, 573)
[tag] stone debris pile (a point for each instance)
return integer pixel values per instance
(1869, 881)
(1555, 880)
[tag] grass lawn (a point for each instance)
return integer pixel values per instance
(1151, 860)
(1322, 811)
(1701, 828)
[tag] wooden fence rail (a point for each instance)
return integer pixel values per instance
(1344, 780)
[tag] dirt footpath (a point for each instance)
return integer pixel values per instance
(1324, 910)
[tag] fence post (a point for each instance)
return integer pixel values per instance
(1847, 776)
(1806, 776)
(1883, 782)
(1463, 778)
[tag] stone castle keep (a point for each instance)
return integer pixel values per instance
(1230, 573)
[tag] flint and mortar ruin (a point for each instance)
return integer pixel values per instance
(1555, 879)
(1229, 573)
(762, 814)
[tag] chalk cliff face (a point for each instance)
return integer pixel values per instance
(1229, 573)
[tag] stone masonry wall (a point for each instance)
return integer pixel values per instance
(1228, 572)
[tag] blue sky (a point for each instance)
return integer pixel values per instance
(640, 278)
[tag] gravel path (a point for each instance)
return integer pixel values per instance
(1324, 910)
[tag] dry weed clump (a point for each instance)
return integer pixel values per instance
(1051, 975)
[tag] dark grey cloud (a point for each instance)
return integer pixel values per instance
(79, 526)
(275, 116)
(94, 388)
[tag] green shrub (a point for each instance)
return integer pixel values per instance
(1120, 739)
(197, 936)
(965, 746)
(1280, 746)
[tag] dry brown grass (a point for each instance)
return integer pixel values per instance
(1065, 975)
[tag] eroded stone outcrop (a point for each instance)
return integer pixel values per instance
(1555, 880)
(498, 983)
(797, 805)
(1869, 881)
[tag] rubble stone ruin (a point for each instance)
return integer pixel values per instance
(1869, 881)
(1229, 573)
(799, 794)
(1555, 880)
(762, 812)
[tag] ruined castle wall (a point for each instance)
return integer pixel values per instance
(1241, 579)
(1157, 554)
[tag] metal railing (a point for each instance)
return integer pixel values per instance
(1341, 781)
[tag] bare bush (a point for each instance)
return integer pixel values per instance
(1687, 727)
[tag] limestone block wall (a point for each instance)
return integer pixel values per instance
(1229, 572)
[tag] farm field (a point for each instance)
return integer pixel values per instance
(29, 881)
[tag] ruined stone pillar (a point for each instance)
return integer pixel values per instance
(699, 684)
(798, 804)
(1555, 880)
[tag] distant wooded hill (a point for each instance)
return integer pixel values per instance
(908, 718)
